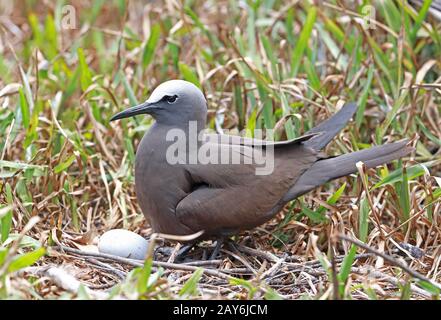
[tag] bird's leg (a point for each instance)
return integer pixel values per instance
(231, 244)
(184, 250)
(204, 254)
(164, 251)
(215, 253)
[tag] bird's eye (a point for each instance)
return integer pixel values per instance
(171, 99)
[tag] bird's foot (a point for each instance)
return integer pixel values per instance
(180, 256)
(182, 253)
(215, 253)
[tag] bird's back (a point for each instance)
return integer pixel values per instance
(232, 197)
(218, 196)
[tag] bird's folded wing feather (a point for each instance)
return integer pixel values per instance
(231, 197)
(316, 138)
(245, 141)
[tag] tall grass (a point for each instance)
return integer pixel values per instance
(262, 64)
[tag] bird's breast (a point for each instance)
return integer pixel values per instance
(159, 185)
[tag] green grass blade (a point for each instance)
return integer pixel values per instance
(24, 108)
(302, 43)
(395, 176)
(85, 75)
(363, 219)
(345, 270)
(315, 216)
(420, 19)
(145, 272)
(26, 259)
(363, 97)
(6, 220)
(403, 188)
(190, 287)
(189, 74)
(333, 199)
(151, 45)
(65, 164)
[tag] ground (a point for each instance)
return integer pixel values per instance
(66, 173)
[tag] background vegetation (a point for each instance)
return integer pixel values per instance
(66, 173)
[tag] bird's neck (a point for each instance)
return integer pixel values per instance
(189, 132)
(189, 127)
(184, 121)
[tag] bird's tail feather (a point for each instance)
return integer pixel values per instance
(330, 127)
(332, 168)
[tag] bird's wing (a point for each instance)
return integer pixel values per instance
(230, 197)
(233, 197)
(316, 138)
(331, 127)
(251, 142)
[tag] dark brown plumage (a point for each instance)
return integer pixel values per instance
(222, 199)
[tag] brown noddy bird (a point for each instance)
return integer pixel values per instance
(185, 197)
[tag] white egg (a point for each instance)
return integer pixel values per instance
(123, 243)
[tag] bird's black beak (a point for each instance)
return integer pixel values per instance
(143, 108)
